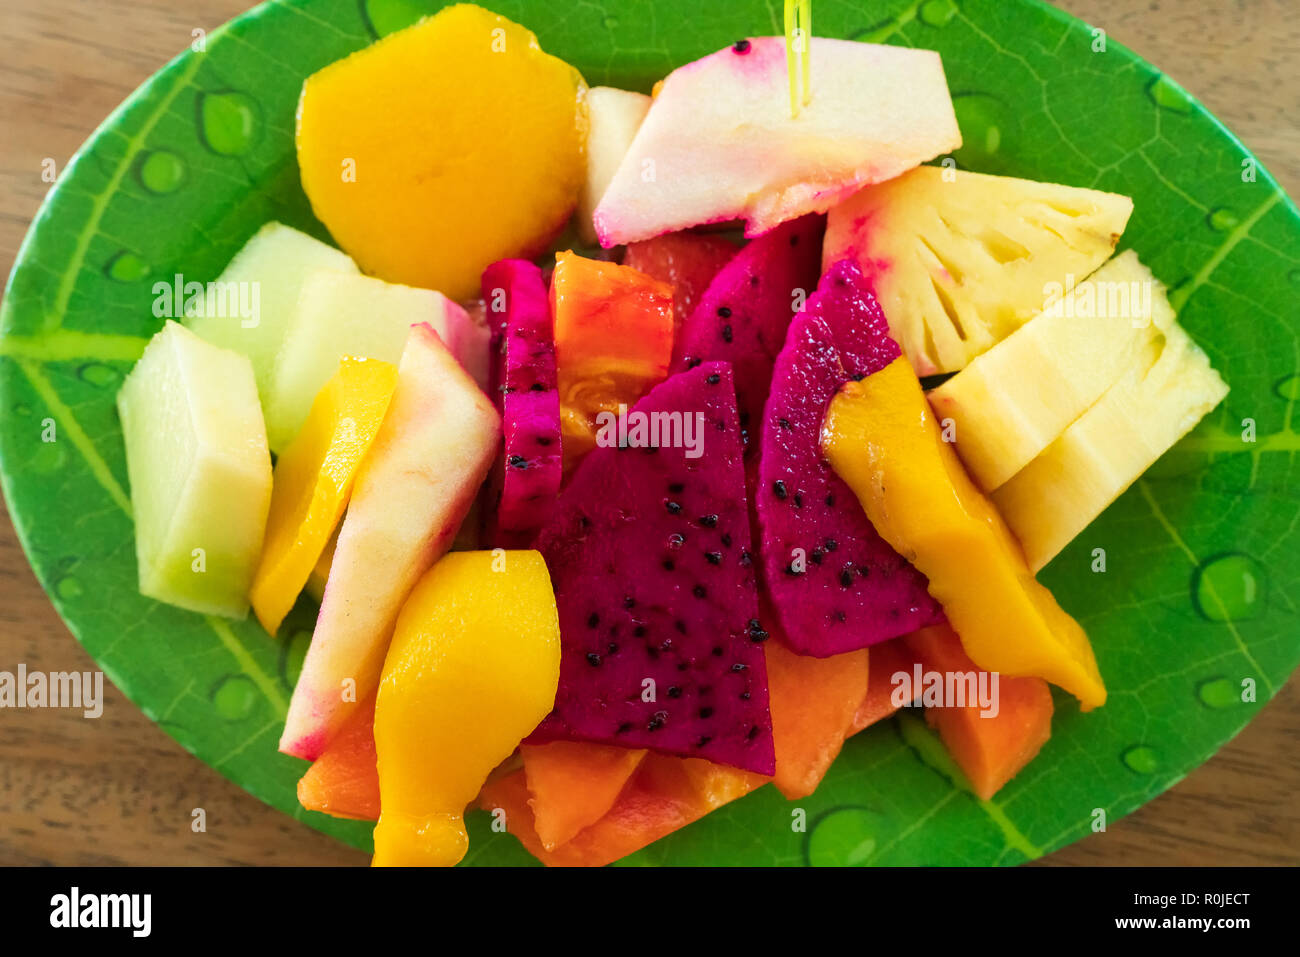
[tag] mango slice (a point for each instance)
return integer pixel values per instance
(881, 438)
(443, 148)
(313, 480)
(613, 341)
(472, 668)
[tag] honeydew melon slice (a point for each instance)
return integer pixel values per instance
(266, 274)
(352, 315)
(199, 470)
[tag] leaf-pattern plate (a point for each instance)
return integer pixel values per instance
(1196, 601)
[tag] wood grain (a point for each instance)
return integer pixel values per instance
(118, 790)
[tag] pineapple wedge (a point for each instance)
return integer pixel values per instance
(961, 260)
(200, 472)
(1166, 389)
(274, 264)
(1014, 400)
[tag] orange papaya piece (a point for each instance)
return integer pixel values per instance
(573, 784)
(613, 341)
(887, 659)
(813, 702)
(665, 794)
(344, 780)
(989, 748)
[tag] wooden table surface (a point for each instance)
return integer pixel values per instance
(119, 791)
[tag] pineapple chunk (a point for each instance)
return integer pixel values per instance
(961, 260)
(199, 469)
(342, 315)
(1014, 400)
(269, 272)
(1166, 389)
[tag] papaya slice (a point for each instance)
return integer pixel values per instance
(887, 659)
(344, 780)
(573, 784)
(813, 702)
(665, 794)
(990, 749)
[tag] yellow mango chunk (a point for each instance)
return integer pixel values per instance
(313, 481)
(472, 668)
(443, 148)
(880, 436)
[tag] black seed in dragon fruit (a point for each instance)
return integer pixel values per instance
(834, 583)
(526, 482)
(649, 552)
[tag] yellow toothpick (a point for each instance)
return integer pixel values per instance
(798, 53)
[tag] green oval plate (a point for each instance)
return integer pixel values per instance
(1192, 618)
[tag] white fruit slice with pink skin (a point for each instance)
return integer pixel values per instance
(719, 142)
(613, 117)
(341, 315)
(411, 494)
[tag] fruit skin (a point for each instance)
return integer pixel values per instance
(472, 668)
(313, 480)
(650, 553)
(881, 438)
(1014, 400)
(664, 795)
(410, 496)
(723, 145)
(687, 261)
(743, 316)
(990, 749)
(340, 315)
(813, 703)
(854, 589)
(1159, 398)
(940, 243)
(199, 471)
(573, 784)
(613, 340)
(278, 259)
(524, 489)
(344, 780)
(613, 117)
(441, 188)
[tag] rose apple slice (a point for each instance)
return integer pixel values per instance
(411, 494)
(719, 142)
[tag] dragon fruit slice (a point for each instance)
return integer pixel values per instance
(743, 316)
(649, 552)
(835, 584)
(525, 485)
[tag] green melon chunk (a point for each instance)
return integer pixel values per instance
(248, 307)
(200, 472)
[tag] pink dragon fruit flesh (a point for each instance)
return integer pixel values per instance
(835, 585)
(743, 316)
(649, 552)
(525, 484)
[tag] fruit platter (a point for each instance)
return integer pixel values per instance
(502, 436)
